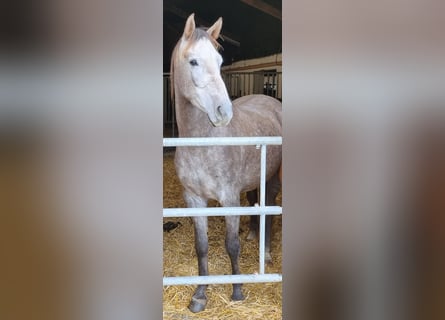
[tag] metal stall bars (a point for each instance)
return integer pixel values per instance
(267, 82)
(262, 210)
(170, 126)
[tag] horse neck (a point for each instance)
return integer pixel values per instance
(191, 121)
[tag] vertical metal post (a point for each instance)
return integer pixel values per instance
(262, 205)
(173, 118)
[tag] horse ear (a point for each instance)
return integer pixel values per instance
(215, 30)
(189, 26)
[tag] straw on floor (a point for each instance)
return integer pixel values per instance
(263, 300)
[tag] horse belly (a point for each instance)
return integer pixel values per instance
(222, 173)
(251, 179)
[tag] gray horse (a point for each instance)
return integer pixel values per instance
(204, 109)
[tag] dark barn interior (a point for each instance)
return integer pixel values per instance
(251, 28)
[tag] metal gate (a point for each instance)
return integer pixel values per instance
(262, 210)
(267, 82)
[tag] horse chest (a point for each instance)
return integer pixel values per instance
(206, 174)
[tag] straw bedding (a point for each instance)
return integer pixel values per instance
(263, 300)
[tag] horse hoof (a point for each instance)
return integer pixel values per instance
(238, 296)
(267, 258)
(251, 235)
(197, 305)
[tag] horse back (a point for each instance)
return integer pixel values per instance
(258, 108)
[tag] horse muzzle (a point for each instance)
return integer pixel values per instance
(223, 115)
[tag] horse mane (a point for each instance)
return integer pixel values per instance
(198, 33)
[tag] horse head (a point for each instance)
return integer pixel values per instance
(196, 65)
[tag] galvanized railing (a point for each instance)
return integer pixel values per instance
(262, 210)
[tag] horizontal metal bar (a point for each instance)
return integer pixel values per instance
(221, 141)
(221, 211)
(222, 279)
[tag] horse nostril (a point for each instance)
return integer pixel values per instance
(220, 112)
(222, 115)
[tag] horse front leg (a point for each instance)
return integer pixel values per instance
(199, 298)
(233, 249)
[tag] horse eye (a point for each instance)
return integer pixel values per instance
(193, 62)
